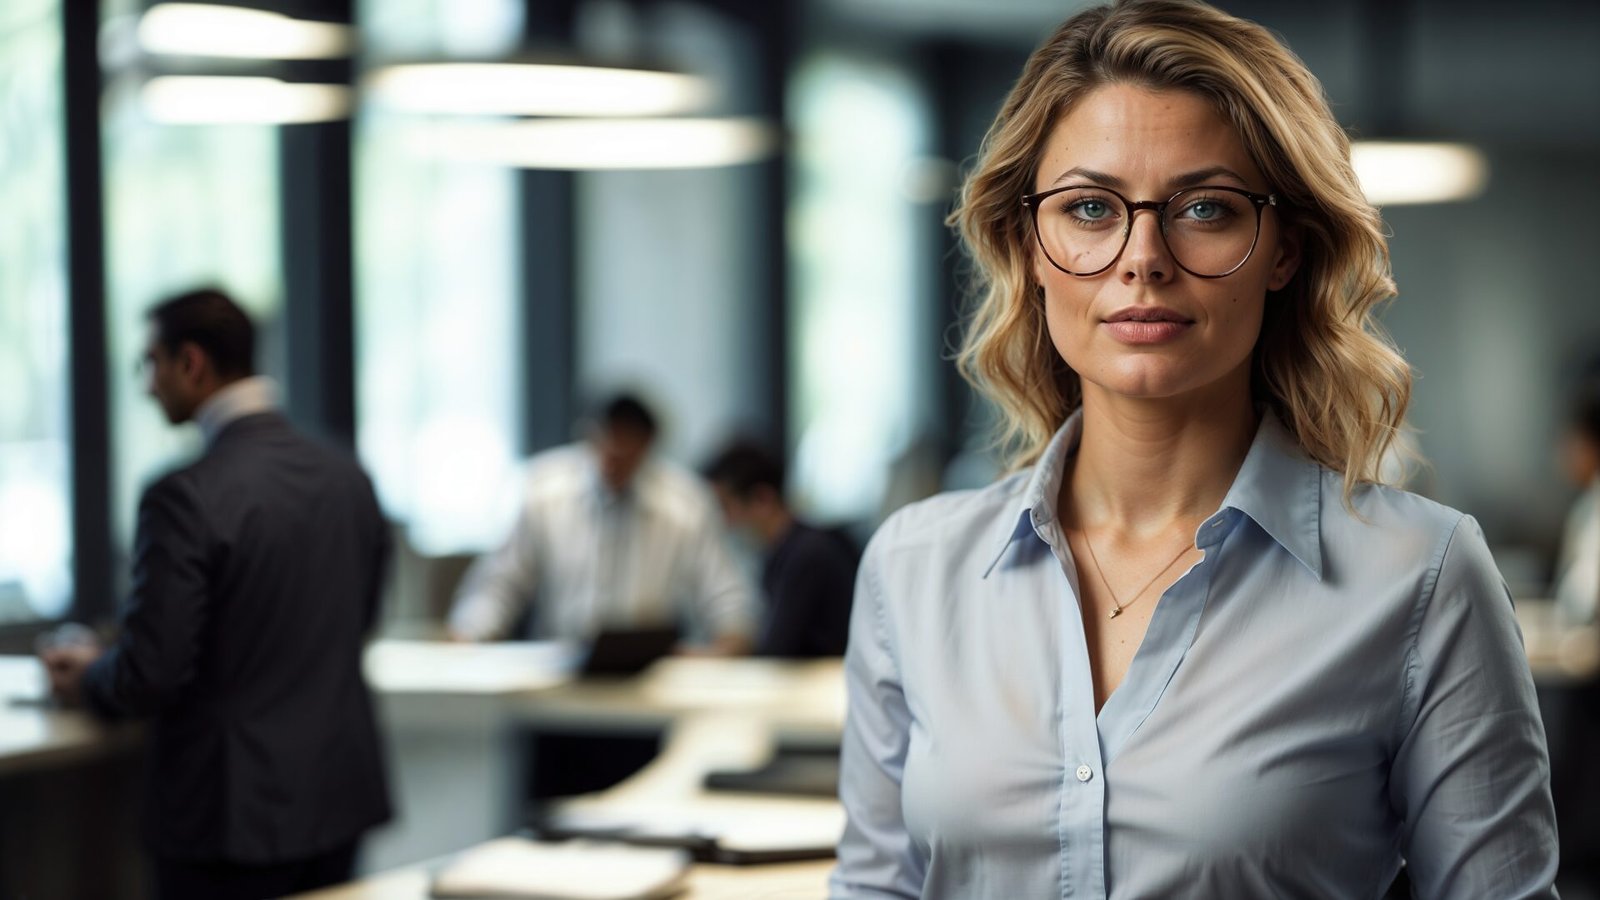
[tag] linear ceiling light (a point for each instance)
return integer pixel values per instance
(204, 29)
(537, 89)
(203, 99)
(1399, 172)
(601, 143)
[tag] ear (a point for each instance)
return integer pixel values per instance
(1290, 243)
(192, 361)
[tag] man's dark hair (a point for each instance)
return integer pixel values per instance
(209, 319)
(626, 411)
(1585, 411)
(744, 465)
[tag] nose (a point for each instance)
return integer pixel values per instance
(1146, 256)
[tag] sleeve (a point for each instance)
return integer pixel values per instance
(876, 856)
(383, 552)
(158, 644)
(496, 588)
(724, 597)
(1471, 777)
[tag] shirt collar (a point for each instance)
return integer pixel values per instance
(1278, 487)
(244, 397)
(1035, 507)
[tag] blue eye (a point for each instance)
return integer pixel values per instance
(1207, 210)
(1091, 209)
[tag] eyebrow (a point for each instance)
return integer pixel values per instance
(1188, 179)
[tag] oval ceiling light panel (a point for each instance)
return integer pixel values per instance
(246, 100)
(205, 29)
(600, 144)
(1401, 172)
(537, 89)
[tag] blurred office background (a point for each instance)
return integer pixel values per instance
(442, 284)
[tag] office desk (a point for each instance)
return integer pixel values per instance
(1560, 655)
(786, 881)
(69, 789)
(670, 791)
(455, 715)
(36, 735)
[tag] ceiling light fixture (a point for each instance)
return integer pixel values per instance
(205, 29)
(218, 99)
(600, 144)
(537, 89)
(1401, 172)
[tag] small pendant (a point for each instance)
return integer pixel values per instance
(1115, 612)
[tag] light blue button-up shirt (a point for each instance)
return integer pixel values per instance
(1322, 695)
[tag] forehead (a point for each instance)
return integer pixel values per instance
(1147, 139)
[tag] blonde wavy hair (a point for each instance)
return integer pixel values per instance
(1321, 362)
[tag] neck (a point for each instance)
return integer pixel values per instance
(1145, 466)
(774, 525)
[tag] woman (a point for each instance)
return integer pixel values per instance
(1191, 648)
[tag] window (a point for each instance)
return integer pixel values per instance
(186, 206)
(35, 448)
(436, 300)
(862, 374)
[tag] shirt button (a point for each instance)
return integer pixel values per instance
(1085, 773)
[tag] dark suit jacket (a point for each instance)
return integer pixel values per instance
(256, 577)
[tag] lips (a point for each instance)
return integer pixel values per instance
(1148, 314)
(1145, 325)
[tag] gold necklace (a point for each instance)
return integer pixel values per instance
(1140, 593)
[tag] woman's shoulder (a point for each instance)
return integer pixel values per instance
(1388, 508)
(1386, 522)
(952, 520)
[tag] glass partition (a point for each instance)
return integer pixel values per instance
(35, 444)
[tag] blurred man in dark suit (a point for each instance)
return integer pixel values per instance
(808, 574)
(256, 577)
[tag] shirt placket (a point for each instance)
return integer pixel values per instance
(1082, 807)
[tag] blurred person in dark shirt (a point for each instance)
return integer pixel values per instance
(808, 573)
(256, 578)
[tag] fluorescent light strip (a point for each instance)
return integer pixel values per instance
(216, 99)
(1394, 172)
(600, 144)
(204, 29)
(537, 89)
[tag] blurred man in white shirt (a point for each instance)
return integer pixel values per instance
(606, 536)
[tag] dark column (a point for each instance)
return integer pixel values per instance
(86, 293)
(548, 212)
(773, 27)
(318, 252)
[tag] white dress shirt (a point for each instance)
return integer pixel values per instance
(1578, 571)
(245, 397)
(1322, 695)
(590, 558)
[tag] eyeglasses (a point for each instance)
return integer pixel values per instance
(1210, 230)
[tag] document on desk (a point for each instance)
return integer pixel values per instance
(516, 868)
(719, 828)
(436, 667)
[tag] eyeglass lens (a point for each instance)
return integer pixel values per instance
(1208, 231)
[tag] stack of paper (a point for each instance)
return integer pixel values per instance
(575, 870)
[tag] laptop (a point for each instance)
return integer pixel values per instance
(627, 651)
